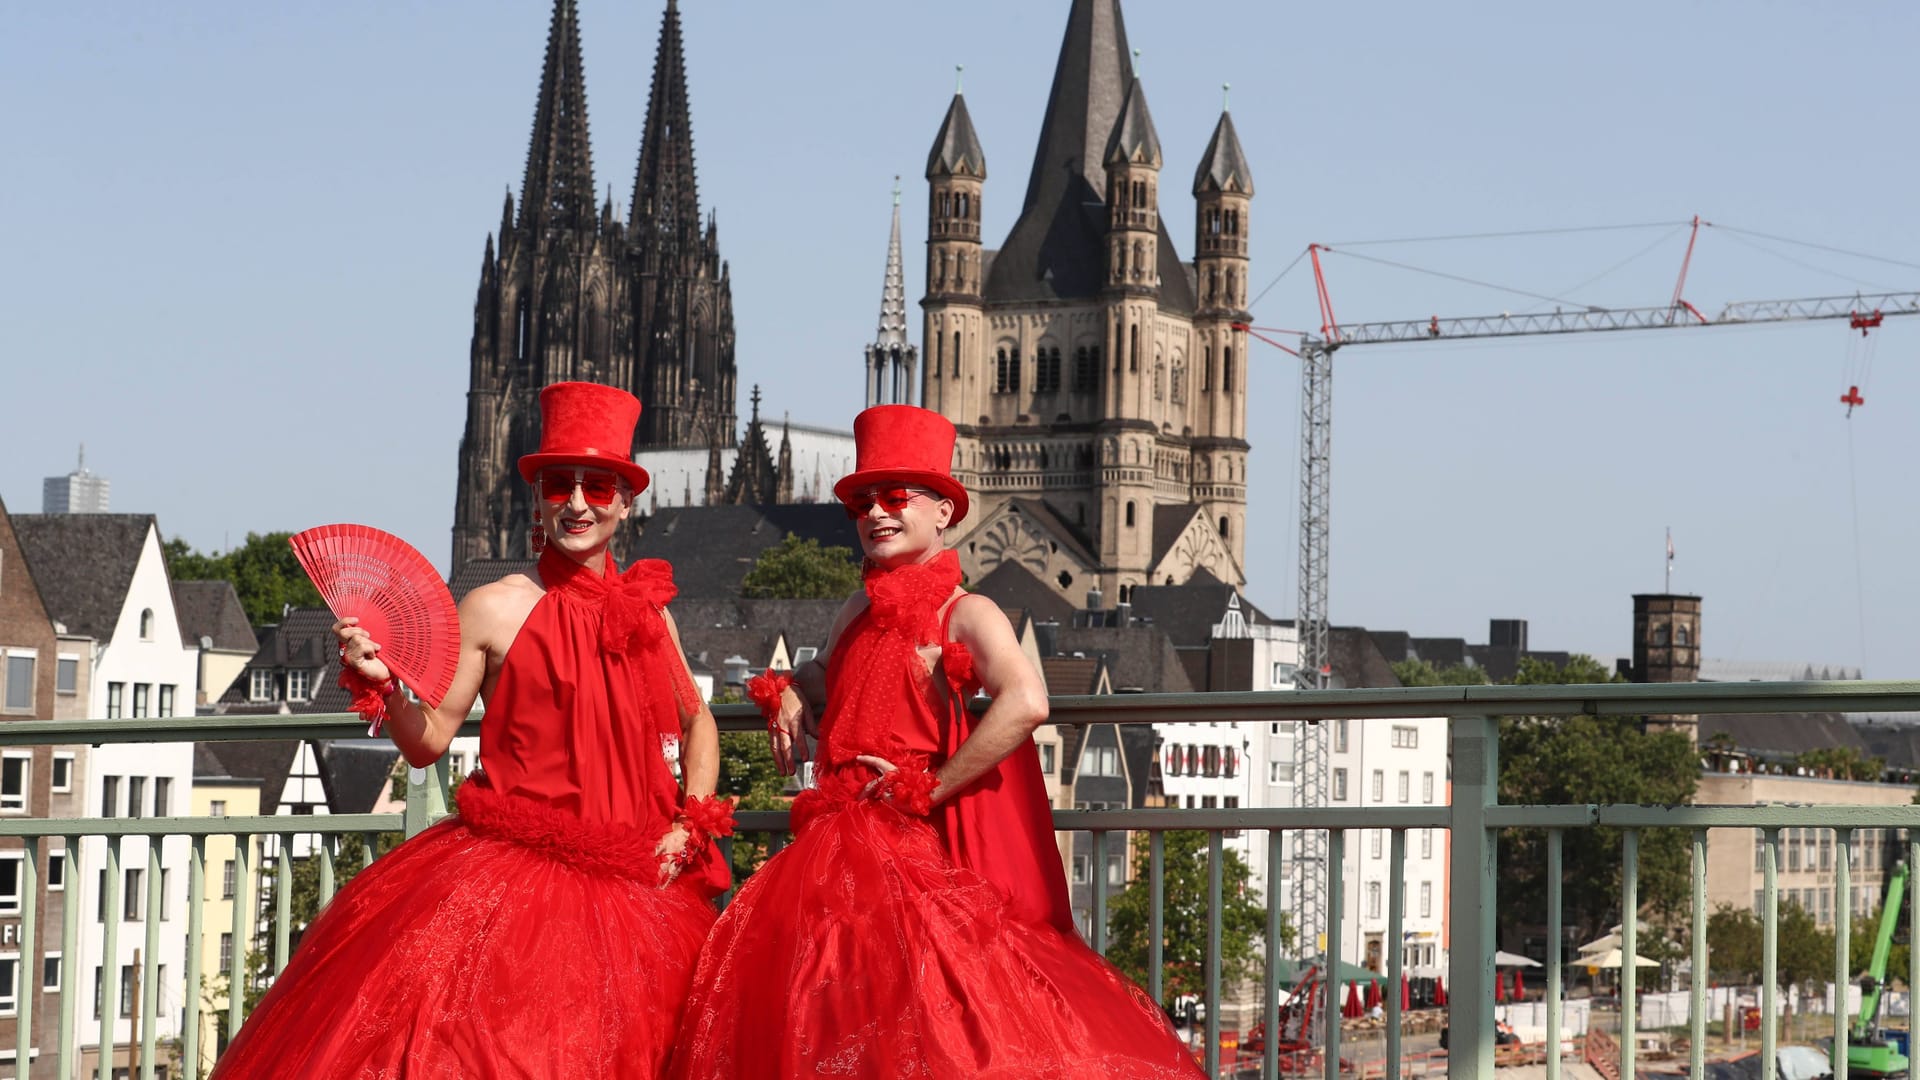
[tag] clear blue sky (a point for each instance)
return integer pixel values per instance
(242, 241)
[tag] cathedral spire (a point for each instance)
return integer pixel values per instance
(666, 195)
(558, 191)
(893, 295)
(891, 358)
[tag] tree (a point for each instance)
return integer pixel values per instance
(1420, 673)
(1242, 919)
(1860, 943)
(1804, 951)
(802, 570)
(748, 774)
(1842, 763)
(263, 571)
(1586, 760)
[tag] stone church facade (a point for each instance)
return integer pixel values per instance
(574, 290)
(1098, 381)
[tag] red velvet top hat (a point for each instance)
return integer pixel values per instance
(903, 444)
(587, 424)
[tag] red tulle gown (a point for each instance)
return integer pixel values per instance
(874, 945)
(527, 936)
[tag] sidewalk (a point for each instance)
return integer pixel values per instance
(1570, 1069)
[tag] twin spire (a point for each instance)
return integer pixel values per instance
(559, 192)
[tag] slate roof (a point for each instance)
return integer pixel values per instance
(711, 630)
(356, 776)
(1012, 585)
(712, 547)
(477, 572)
(84, 565)
(956, 148)
(266, 760)
(1223, 166)
(1057, 248)
(1072, 536)
(1139, 657)
(1187, 613)
(301, 641)
(1897, 744)
(1071, 674)
(1133, 138)
(1169, 521)
(211, 609)
(1357, 661)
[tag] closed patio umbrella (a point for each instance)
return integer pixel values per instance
(1519, 986)
(1353, 1007)
(1406, 995)
(1499, 986)
(1440, 992)
(1373, 993)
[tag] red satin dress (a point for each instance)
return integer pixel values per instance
(527, 936)
(883, 944)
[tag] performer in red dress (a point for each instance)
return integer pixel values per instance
(550, 929)
(918, 926)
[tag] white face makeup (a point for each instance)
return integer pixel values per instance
(899, 524)
(586, 518)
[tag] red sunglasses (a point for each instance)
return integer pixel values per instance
(598, 487)
(892, 500)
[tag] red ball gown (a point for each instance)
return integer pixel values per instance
(527, 936)
(883, 944)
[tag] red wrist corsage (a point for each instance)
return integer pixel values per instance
(764, 690)
(909, 789)
(369, 697)
(704, 817)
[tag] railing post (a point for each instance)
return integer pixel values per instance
(1336, 910)
(196, 896)
(73, 978)
(1842, 948)
(150, 958)
(1270, 980)
(109, 1000)
(1629, 943)
(1556, 950)
(1702, 974)
(1098, 929)
(1216, 865)
(1770, 956)
(1156, 916)
(427, 796)
(28, 967)
(1476, 787)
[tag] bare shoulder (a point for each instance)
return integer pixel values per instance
(974, 615)
(496, 610)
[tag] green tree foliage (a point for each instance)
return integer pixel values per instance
(1420, 673)
(802, 570)
(1242, 919)
(748, 774)
(1592, 759)
(1734, 944)
(263, 571)
(1842, 763)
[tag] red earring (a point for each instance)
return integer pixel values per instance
(537, 537)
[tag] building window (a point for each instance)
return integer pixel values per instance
(1133, 348)
(1046, 758)
(136, 796)
(16, 781)
(226, 950)
(56, 871)
(296, 686)
(116, 693)
(1375, 841)
(1129, 513)
(260, 685)
(229, 877)
(1085, 361)
(66, 675)
(109, 796)
(166, 699)
(1339, 736)
(62, 772)
(1101, 761)
(1426, 843)
(162, 795)
(1047, 370)
(1226, 367)
(50, 973)
(19, 697)
(1279, 772)
(9, 984)
(1426, 899)
(1426, 787)
(132, 896)
(1373, 899)
(1407, 738)
(12, 881)
(1006, 372)
(1760, 848)
(1340, 785)
(1405, 786)
(100, 907)
(1379, 785)
(1826, 850)
(1116, 870)
(1079, 869)
(126, 991)
(1210, 761)
(140, 691)
(146, 625)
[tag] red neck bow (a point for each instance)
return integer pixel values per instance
(909, 597)
(630, 600)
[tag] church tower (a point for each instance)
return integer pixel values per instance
(1102, 451)
(571, 292)
(891, 358)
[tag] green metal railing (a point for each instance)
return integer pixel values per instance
(1474, 817)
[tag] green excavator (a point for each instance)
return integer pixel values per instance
(1869, 1055)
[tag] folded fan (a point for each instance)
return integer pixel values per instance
(396, 594)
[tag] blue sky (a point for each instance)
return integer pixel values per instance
(242, 242)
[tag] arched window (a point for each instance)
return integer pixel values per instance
(1681, 635)
(1133, 348)
(1129, 513)
(1006, 372)
(1206, 368)
(146, 625)
(946, 204)
(1660, 634)
(1223, 526)
(1226, 368)
(1177, 386)
(956, 354)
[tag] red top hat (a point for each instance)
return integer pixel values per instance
(587, 424)
(904, 444)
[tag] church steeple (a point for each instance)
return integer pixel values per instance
(891, 358)
(666, 195)
(558, 191)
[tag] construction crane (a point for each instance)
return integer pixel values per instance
(1863, 312)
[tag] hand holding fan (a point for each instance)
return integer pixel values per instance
(396, 594)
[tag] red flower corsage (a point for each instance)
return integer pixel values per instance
(704, 818)
(764, 690)
(369, 697)
(909, 789)
(956, 661)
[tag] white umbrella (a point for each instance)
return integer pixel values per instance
(1503, 958)
(1612, 958)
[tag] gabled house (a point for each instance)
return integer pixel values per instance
(213, 622)
(105, 578)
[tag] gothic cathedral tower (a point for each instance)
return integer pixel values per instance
(572, 292)
(1098, 382)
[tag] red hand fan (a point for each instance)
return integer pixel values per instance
(396, 594)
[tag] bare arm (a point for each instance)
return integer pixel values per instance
(699, 735)
(801, 702)
(1019, 697)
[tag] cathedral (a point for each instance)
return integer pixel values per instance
(573, 291)
(1098, 381)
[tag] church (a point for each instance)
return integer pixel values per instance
(1098, 381)
(573, 290)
